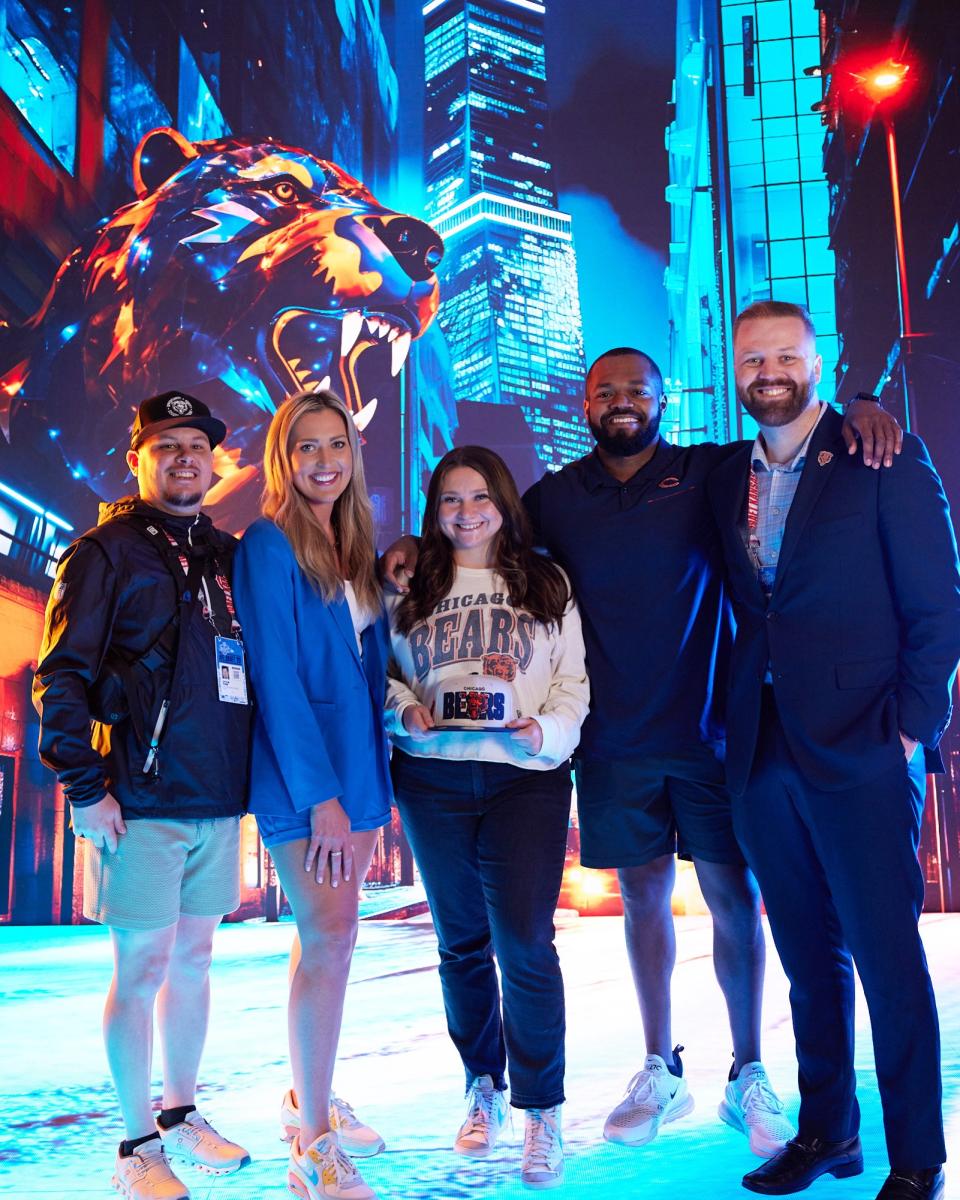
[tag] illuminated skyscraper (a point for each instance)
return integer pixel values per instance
(748, 194)
(510, 306)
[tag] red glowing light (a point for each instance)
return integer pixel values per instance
(883, 80)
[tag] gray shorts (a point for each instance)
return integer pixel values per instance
(163, 870)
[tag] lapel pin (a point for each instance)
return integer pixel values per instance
(824, 457)
(670, 481)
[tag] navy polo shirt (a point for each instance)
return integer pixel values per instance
(645, 564)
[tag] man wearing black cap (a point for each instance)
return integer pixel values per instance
(139, 626)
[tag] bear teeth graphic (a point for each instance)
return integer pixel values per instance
(242, 272)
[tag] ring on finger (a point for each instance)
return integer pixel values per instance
(336, 854)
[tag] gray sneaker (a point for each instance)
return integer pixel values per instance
(751, 1105)
(486, 1113)
(542, 1163)
(654, 1097)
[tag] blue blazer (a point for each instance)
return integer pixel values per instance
(862, 631)
(318, 708)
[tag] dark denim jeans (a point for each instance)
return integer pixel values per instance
(842, 887)
(489, 839)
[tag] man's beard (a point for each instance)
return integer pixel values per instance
(773, 413)
(181, 500)
(626, 445)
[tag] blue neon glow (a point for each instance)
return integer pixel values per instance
(33, 506)
(249, 385)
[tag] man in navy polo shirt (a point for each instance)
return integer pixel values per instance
(631, 526)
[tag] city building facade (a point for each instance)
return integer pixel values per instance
(748, 198)
(899, 337)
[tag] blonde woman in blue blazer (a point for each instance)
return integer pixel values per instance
(307, 594)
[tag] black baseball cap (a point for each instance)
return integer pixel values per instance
(173, 410)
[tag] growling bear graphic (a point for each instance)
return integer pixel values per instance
(243, 271)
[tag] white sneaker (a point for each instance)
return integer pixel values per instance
(145, 1175)
(356, 1138)
(751, 1105)
(195, 1141)
(486, 1113)
(654, 1096)
(542, 1163)
(324, 1172)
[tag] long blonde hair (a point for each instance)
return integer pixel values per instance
(352, 512)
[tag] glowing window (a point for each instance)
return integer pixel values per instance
(132, 105)
(8, 528)
(199, 114)
(38, 73)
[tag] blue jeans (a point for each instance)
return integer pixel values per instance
(490, 840)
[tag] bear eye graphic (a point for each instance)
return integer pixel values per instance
(284, 191)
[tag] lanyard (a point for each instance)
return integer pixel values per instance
(753, 520)
(222, 583)
(753, 504)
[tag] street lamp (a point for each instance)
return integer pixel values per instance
(884, 84)
(883, 80)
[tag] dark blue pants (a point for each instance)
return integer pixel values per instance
(842, 886)
(490, 839)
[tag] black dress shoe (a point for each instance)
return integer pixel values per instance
(801, 1161)
(913, 1185)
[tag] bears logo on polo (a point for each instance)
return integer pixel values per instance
(474, 702)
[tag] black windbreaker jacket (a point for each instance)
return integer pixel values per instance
(114, 591)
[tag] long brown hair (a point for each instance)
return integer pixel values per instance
(534, 583)
(352, 517)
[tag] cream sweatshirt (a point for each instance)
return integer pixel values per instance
(475, 621)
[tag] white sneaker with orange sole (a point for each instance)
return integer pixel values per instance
(323, 1172)
(356, 1138)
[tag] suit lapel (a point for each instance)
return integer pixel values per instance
(344, 622)
(826, 446)
(375, 659)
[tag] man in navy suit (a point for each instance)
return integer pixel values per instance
(846, 592)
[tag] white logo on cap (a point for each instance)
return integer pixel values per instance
(179, 406)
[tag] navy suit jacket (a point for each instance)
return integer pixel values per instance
(862, 630)
(318, 719)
